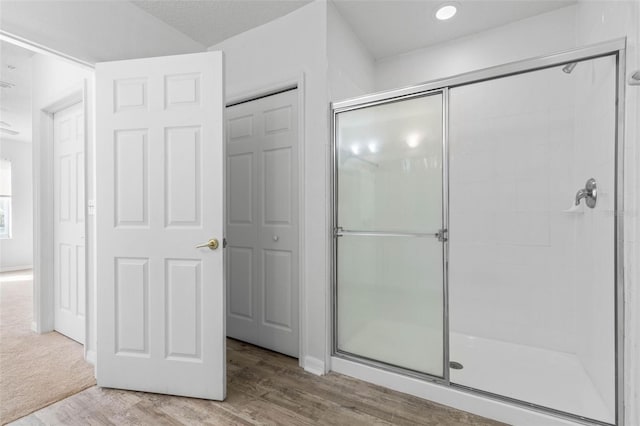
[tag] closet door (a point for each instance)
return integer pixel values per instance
(389, 238)
(262, 222)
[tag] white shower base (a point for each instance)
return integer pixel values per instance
(543, 377)
(547, 378)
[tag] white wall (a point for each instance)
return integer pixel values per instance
(17, 252)
(281, 51)
(351, 66)
(94, 31)
(53, 79)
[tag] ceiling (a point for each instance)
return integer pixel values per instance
(391, 27)
(386, 27)
(15, 102)
(210, 22)
(94, 30)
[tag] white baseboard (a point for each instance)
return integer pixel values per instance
(476, 404)
(314, 366)
(15, 268)
(34, 326)
(91, 357)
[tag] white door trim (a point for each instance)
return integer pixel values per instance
(43, 205)
(298, 82)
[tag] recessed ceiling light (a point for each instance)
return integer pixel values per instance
(446, 12)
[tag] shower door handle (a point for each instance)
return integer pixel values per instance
(441, 235)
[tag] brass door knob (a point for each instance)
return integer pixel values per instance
(212, 244)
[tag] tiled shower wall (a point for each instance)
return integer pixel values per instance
(509, 237)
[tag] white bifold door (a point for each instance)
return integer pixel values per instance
(262, 222)
(68, 217)
(160, 204)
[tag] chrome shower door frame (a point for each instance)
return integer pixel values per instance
(616, 48)
(337, 232)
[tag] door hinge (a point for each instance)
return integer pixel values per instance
(337, 232)
(441, 235)
(224, 243)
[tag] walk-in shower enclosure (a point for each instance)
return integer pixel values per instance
(477, 232)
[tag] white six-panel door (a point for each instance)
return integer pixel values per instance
(68, 216)
(160, 170)
(262, 222)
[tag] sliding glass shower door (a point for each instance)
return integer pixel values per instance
(389, 231)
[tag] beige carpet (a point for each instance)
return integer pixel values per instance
(35, 370)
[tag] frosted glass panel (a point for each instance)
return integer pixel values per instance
(390, 166)
(389, 181)
(390, 301)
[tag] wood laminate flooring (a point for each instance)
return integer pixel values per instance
(263, 388)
